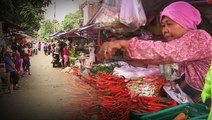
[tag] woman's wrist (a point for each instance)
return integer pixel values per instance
(123, 43)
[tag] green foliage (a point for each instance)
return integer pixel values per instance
(28, 14)
(57, 26)
(30, 18)
(72, 52)
(25, 13)
(47, 29)
(71, 20)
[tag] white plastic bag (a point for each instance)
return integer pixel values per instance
(130, 72)
(132, 13)
(120, 16)
(178, 95)
(108, 15)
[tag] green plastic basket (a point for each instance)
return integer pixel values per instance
(192, 111)
(73, 59)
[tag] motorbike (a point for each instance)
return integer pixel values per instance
(56, 60)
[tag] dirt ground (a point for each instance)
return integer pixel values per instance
(41, 95)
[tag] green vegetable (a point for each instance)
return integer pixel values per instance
(105, 69)
(207, 92)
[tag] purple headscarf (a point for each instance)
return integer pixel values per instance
(183, 13)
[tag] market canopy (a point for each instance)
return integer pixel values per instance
(56, 34)
(88, 31)
(71, 34)
(10, 27)
(22, 37)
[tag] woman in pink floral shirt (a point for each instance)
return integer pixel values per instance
(190, 48)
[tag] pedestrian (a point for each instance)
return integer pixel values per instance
(35, 48)
(45, 48)
(12, 74)
(17, 59)
(21, 51)
(49, 48)
(26, 64)
(66, 55)
(29, 50)
(39, 46)
(188, 47)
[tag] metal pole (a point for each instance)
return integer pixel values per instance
(54, 16)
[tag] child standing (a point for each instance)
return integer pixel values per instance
(26, 64)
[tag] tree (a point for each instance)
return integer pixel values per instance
(57, 26)
(26, 13)
(71, 20)
(47, 29)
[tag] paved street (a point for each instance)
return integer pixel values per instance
(41, 96)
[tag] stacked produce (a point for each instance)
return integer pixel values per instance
(149, 86)
(107, 97)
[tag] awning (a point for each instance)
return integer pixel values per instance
(89, 31)
(85, 27)
(57, 34)
(8, 26)
(71, 34)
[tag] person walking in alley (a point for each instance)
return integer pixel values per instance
(39, 46)
(66, 55)
(26, 64)
(45, 48)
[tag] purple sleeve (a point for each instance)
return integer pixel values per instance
(194, 45)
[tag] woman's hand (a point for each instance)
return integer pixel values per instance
(172, 84)
(108, 48)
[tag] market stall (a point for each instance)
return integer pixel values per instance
(119, 90)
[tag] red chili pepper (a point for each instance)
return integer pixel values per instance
(112, 95)
(157, 104)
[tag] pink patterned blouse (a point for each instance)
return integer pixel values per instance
(192, 52)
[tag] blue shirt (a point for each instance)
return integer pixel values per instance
(8, 64)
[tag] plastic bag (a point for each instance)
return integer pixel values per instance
(178, 95)
(115, 17)
(132, 13)
(108, 14)
(149, 86)
(130, 72)
(169, 71)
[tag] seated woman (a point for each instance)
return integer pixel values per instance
(189, 48)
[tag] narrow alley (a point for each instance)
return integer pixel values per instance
(41, 95)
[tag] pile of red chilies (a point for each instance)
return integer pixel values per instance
(81, 99)
(109, 99)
